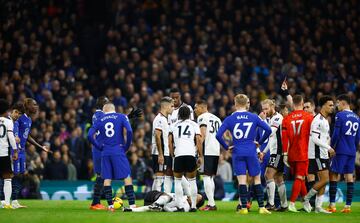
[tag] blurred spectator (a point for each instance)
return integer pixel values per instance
(224, 169)
(56, 169)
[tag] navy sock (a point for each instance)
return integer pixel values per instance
(2, 196)
(349, 193)
(129, 190)
(251, 193)
(277, 198)
(310, 184)
(243, 193)
(259, 193)
(98, 187)
(108, 194)
(332, 191)
(16, 185)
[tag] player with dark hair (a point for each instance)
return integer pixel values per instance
(160, 145)
(7, 140)
(295, 140)
(309, 106)
(345, 139)
(23, 127)
(96, 156)
(209, 126)
(319, 150)
(243, 127)
(110, 139)
(184, 143)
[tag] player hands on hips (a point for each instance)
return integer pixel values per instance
(243, 127)
(114, 163)
(185, 137)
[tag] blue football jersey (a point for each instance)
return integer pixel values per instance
(110, 136)
(346, 133)
(243, 126)
(96, 116)
(23, 126)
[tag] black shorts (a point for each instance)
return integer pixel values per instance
(5, 165)
(276, 161)
(185, 164)
(152, 196)
(161, 168)
(210, 165)
(317, 164)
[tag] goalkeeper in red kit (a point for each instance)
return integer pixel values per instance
(295, 139)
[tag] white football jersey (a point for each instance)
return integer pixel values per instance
(184, 133)
(160, 123)
(274, 143)
(319, 142)
(212, 124)
(173, 117)
(7, 137)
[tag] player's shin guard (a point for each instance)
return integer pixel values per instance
(168, 182)
(282, 194)
(16, 186)
(129, 190)
(296, 188)
(309, 185)
(178, 192)
(319, 201)
(186, 186)
(193, 191)
(209, 190)
(243, 193)
(332, 191)
(259, 195)
(98, 187)
(7, 190)
(2, 190)
(349, 193)
(270, 188)
(108, 194)
(158, 181)
(303, 190)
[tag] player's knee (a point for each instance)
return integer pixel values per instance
(300, 177)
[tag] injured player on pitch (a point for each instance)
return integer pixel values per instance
(159, 201)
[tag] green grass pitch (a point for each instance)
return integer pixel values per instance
(39, 211)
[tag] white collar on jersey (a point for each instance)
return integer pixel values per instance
(109, 112)
(242, 110)
(347, 110)
(98, 110)
(26, 115)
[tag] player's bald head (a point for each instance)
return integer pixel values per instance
(109, 107)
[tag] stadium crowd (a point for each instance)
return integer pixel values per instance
(209, 49)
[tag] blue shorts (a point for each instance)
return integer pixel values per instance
(264, 163)
(96, 156)
(241, 164)
(342, 164)
(20, 163)
(115, 167)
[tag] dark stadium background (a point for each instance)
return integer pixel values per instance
(65, 54)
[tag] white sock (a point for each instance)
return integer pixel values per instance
(282, 194)
(310, 194)
(163, 199)
(186, 186)
(140, 209)
(168, 182)
(319, 201)
(7, 191)
(193, 191)
(158, 181)
(178, 192)
(270, 188)
(209, 190)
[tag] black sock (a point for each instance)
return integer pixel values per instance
(259, 195)
(349, 193)
(2, 196)
(129, 190)
(98, 187)
(332, 191)
(108, 194)
(16, 185)
(243, 193)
